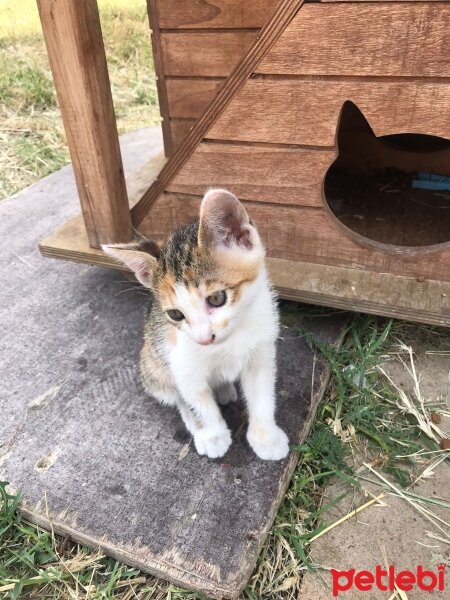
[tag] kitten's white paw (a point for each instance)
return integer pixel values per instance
(212, 443)
(226, 393)
(268, 443)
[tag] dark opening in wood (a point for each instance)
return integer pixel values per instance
(390, 189)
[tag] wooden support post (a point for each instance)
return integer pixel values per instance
(76, 52)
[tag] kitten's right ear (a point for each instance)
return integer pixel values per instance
(138, 256)
(224, 221)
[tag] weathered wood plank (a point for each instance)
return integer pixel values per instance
(188, 14)
(311, 235)
(207, 54)
(188, 98)
(75, 49)
(287, 111)
(265, 174)
(206, 538)
(401, 39)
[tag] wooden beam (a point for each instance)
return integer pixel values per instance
(153, 7)
(75, 49)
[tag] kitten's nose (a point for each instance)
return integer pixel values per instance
(201, 330)
(207, 341)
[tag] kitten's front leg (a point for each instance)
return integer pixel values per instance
(258, 384)
(212, 436)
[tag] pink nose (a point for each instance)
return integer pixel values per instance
(207, 341)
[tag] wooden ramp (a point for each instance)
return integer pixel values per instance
(98, 460)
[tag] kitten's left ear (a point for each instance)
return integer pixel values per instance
(139, 256)
(225, 222)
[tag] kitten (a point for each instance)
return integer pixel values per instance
(213, 320)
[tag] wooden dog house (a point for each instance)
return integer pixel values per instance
(355, 88)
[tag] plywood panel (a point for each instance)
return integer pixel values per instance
(266, 174)
(306, 234)
(186, 14)
(305, 111)
(401, 39)
(208, 54)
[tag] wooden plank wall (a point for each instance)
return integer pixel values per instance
(196, 44)
(275, 140)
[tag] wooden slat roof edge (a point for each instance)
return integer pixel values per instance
(278, 22)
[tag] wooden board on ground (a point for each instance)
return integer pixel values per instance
(107, 465)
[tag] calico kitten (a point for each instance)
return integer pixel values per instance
(213, 321)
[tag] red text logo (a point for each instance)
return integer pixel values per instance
(388, 579)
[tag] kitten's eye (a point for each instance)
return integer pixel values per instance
(175, 314)
(217, 299)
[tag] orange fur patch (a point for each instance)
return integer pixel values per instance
(171, 336)
(166, 290)
(222, 324)
(153, 373)
(233, 274)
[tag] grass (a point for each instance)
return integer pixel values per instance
(361, 411)
(32, 140)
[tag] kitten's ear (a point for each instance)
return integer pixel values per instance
(139, 256)
(224, 221)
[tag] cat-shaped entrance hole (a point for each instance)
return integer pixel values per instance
(377, 186)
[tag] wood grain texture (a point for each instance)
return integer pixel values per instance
(265, 174)
(75, 49)
(385, 294)
(189, 98)
(207, 54)
(153, 7)
(276, 24)
(402, 39)
(187, 14)
(288, 111)
(308, 234)
(180, 129)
